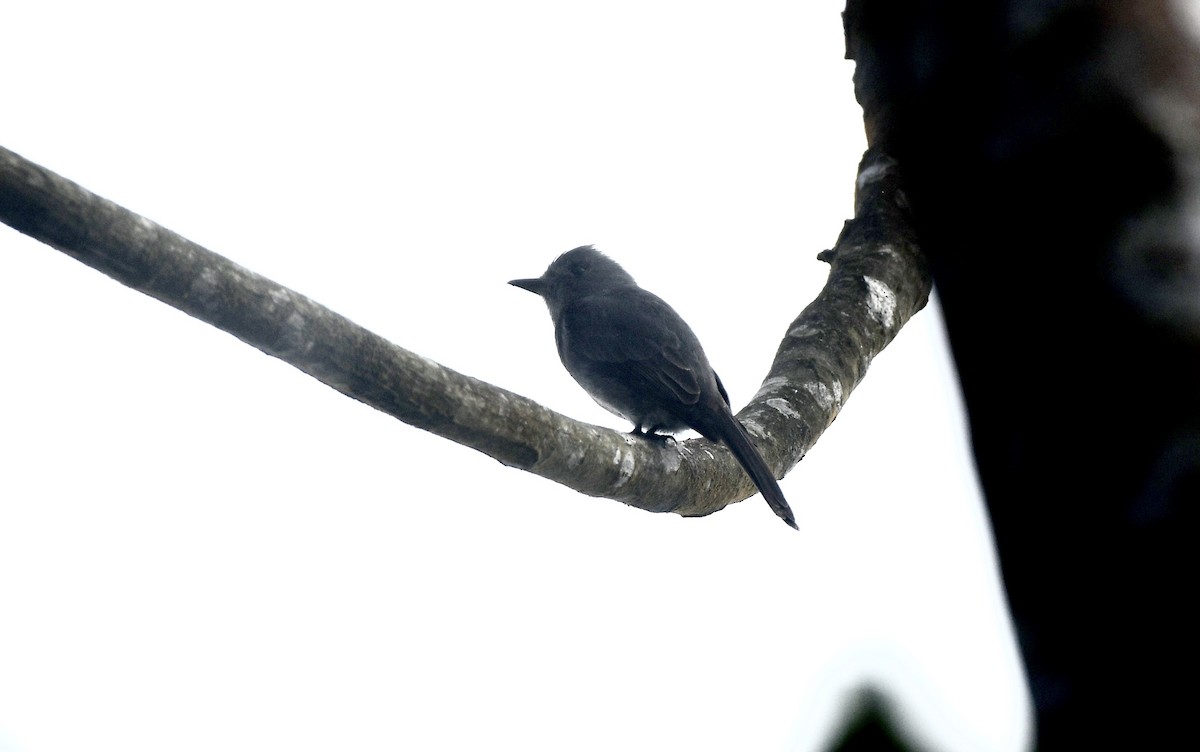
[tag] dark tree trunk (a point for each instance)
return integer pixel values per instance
(1051, 153)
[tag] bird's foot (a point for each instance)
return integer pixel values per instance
(651, 436)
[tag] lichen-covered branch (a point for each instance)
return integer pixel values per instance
(877, 282)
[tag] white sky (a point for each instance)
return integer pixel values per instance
(202, 548)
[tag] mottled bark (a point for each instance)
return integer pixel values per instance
(877, 282)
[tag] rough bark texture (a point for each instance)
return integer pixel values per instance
(1051, 152)
(877, 282)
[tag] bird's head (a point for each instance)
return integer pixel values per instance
(578, 272)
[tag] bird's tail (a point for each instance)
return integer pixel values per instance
(739, 442)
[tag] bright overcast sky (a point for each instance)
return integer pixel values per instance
(202, 548)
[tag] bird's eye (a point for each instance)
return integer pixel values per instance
(578, 268)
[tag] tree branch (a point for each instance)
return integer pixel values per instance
(878, 280)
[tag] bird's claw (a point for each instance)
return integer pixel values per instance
(656, 438)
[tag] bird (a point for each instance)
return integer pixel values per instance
(635, 356)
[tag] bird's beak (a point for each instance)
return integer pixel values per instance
(535, 286)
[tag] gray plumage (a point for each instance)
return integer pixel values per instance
(639, 359)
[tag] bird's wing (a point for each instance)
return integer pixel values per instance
(638, 333)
